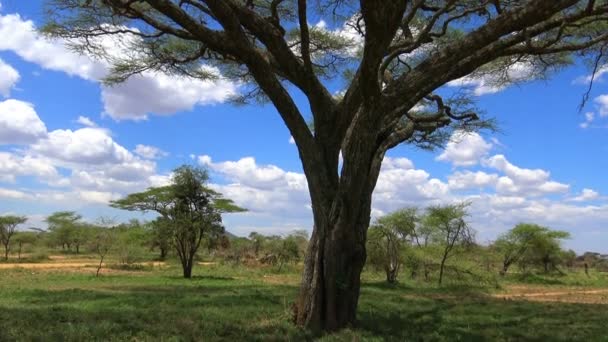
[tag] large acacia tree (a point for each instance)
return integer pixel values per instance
(399, 55)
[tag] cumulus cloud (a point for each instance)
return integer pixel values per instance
(471, 180)
(586, 195)
(19, 123)
(523, 181)
(8, 78)
(160, 94)
(602, 102)
(465, 149)
(86, 145)
(13, 166)
(135, 99)
(12, 194)
(495, 82)
(85, 121)
(149, 152)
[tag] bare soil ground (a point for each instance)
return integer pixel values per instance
(61, 262)
(561, 295)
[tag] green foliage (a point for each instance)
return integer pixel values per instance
(188, 208)
(8, 225)
(387, 239)
(131, 242)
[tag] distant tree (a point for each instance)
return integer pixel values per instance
(449, 229)
(288, 249)
(192, 210)
(387, 239)
(24, 238)
(162, 236)
(8, 226)
(64, 228)
(102, 243)
(131, 240)
(257, 240)
(514, 244)
(568, 258)
(546, 249)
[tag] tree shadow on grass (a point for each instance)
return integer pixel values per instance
(229, 311)
(468, 315)
(151, 313)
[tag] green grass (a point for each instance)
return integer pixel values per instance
(238, 304)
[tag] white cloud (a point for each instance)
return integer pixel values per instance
(586, 195)
(19, 123)
(13, 166)
(496, 81)
(598, 76)
(292, 141)
(86, 145)
(8, 78)
(85, 121)
(149, 152)
(528, 182)
(471, 180)
(20, 36)
(135, 99)
(602, 102)
(465, 149)
(154, 93)
(589, 117)
(12, 194)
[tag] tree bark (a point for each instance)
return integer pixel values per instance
(6, 252)
(187, 267)
(329, 292)
(441, 267)
(505, 268)
(331, 279)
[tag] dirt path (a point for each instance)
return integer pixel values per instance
(551, 294)
(572, 295)
(63, 265)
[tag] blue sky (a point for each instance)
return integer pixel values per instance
(67, 142)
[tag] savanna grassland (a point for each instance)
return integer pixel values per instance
(60, 299)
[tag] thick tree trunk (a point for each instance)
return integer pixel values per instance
(330, 284)
(6, 252)
(329, 291)
(163, 253)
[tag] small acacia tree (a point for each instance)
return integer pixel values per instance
(24, 238)
(192, 210)
(64, 228)
(514, 244)
(8, 227)
(449, 229)
(546, 250)
(387, 239)
(396, 55)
